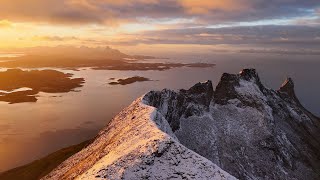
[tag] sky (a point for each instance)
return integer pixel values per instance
(125, 24)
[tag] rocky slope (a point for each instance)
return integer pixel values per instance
(246, 129)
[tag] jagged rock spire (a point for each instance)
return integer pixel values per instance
(288, 87)
(287, 90)
(249, 74)
(225, 90)
(186, 103)
(203, 92)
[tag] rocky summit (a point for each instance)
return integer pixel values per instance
(240, 130)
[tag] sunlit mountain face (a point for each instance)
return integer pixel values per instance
(67, 67)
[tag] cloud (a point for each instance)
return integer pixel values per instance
(207, 6)
(313, 20)
(4, 128)
(308, 21)
(281, 51)
(52, 11)
(5, 24)
(285, 36)
(55, 38)
(114, 12)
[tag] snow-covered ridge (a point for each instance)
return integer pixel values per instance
(248, 130)
(137, 144)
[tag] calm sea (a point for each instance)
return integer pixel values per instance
(31, 130)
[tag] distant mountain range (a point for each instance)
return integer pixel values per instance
(74, 58)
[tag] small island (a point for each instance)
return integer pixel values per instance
(129, 80)
(35, 81)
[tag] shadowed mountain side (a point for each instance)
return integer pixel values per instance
(48, 81)
(250, 131)
(39, 168)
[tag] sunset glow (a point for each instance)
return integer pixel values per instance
(129, 23)
(69, 70)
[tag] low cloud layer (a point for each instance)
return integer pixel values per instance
(297, 37)
(289, 36)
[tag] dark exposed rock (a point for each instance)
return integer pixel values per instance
(287, 90)
(226, 89)
(185, 103)
(200, 92)
(250, 131)
(288, 87)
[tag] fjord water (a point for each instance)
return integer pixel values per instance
(31, 130)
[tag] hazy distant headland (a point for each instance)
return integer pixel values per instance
(95, 58)
(32, 82)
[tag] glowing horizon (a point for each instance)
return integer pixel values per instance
(124, 24)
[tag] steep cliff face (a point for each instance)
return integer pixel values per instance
(242, 127)
(248, 130)
(185, 103)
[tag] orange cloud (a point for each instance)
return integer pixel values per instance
(96, 4)
(205, 6)
(82, 3)
(125, 2)
(5, 24)
(116, 12)
(51, 11)
(55, 38)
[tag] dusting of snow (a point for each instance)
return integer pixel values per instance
(138, 144)
(255, 134)
(249, 89)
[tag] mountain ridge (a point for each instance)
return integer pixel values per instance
(133, 147)
(266, 129)
(239, 130)
(246, 129)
